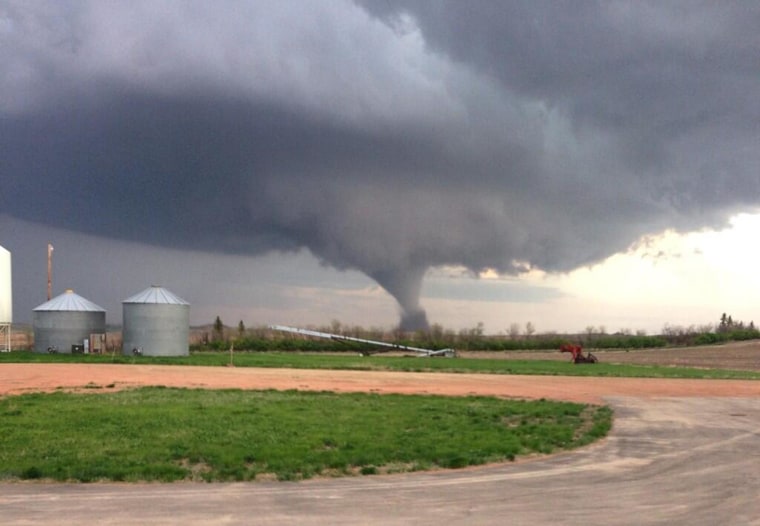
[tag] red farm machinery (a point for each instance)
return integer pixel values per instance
(577, 352)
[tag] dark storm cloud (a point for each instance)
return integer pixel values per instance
(387, 137)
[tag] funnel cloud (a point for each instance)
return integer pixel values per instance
(389, 137)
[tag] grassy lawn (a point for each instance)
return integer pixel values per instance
(390, 363)
(161, 434)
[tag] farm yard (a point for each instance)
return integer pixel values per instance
(689, 416)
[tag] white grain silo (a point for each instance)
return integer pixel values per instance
(156, 323)
(65, 322)
(6, 300)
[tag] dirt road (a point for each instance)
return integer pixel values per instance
(19, 378)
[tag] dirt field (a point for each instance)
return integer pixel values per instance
(740, 356)
(20, 378)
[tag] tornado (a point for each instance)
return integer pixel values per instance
(405, 286)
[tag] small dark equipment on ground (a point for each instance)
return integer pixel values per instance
(577, 352)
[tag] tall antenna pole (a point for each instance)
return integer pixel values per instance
(50, 271)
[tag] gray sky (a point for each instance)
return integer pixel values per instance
(177, 141)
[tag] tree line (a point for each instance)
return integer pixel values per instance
(516, 337)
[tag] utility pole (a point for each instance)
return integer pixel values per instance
(50, 272)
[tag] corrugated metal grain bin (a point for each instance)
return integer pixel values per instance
(156, 323)
(65, 321)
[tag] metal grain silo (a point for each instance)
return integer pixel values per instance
(65, 322)
(156, 323)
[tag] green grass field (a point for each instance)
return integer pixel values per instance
(160, 434)
(391, 363)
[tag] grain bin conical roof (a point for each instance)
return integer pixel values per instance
(158, 295)
(69, 301)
